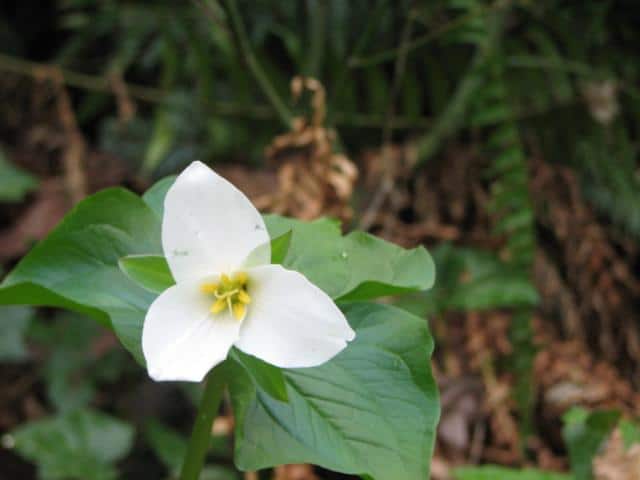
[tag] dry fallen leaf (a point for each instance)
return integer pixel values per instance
(616, 462)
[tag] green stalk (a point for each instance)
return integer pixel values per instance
(201, 434)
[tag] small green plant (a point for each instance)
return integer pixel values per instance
(196, 283)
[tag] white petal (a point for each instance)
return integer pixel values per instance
(181, 339)
(209, 225)
(291, 322)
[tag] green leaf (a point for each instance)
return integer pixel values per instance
(266, 376)
(491, 472)
(80, 445)
(280, 247)
(378, 268)
(14, 183)
(154, 197)
(149, 271)
(372, 410)
(314, 250)
(584, 434)
(13, 324)
(630, 432)
(76, 266)
(356, 267)
(71, 369)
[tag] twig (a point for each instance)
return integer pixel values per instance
(79, 80)
(75, 150)
(531, 61)
(261, 77)
(156, 95)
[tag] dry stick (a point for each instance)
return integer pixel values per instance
(75, 151)
(75, 79)
(156, 95)
(386, 184)
(125, 105)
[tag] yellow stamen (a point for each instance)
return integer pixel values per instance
(244, 297)
(241, 278)
(209, 287)
(229, 293)
(219, 305)
(239, 310)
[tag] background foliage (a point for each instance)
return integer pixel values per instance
(502, 134)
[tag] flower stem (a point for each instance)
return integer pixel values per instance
(201, 434)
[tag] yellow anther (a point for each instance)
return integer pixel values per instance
(229, 293)
(219, 305)
(241, 278)
(244, 297)
(209, 287)
(239, 310)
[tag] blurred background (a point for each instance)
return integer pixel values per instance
(502, 135)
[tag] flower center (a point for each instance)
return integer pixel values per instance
(230, 293)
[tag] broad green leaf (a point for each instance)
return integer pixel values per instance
(149, 271)
(13, 324)
(584, 434)
(378, 268)
(76, 266)
(491, 472)
(315, 250)
(154, 197)
(266, 376)
(280, 247)
(356, 267)
(14, 183)
(81, 445)
(372, 410)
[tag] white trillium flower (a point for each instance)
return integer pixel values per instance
(227, 293)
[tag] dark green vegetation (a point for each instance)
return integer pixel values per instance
(516, 123)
